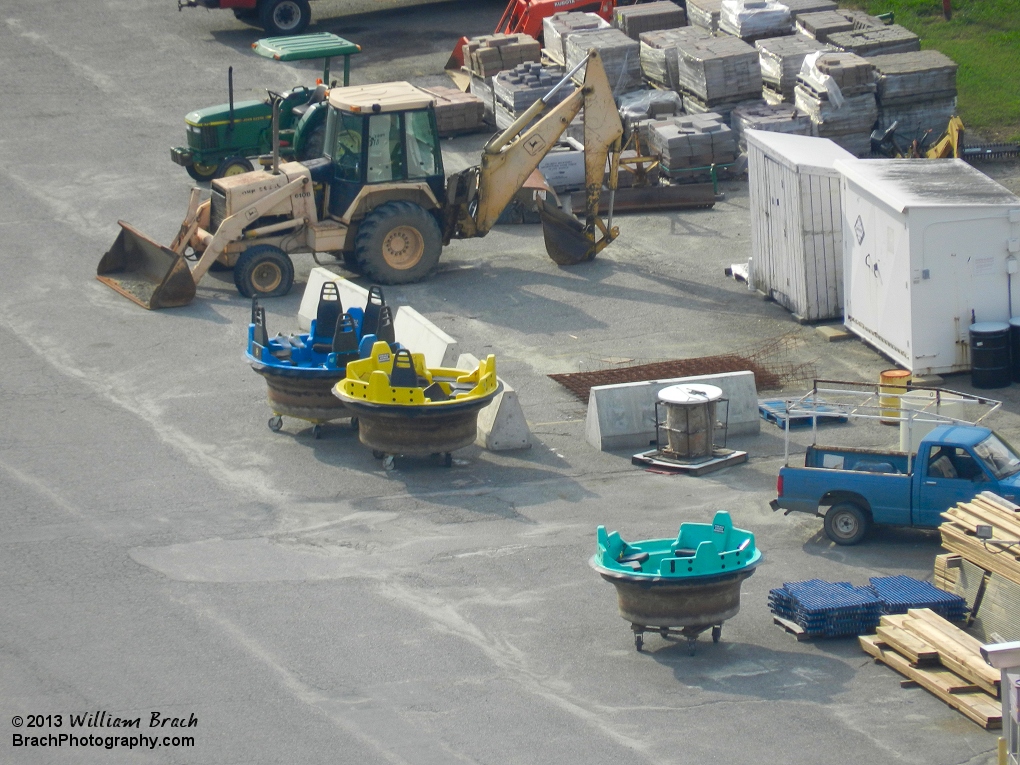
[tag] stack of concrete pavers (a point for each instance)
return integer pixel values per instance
(558, 27)
(917, 90)
(781, 58)
(704, 14)
(482, 66)
(642, 107)
(659, 53)
(632, 20)
(776, 118)
(822, 24)
(845, 114)
(860, 19)
(717, 74)
(517, 89)
(621, 56)
(687, 145)
(800, 7)
(457, 112)
(753, 20)
(876, 41)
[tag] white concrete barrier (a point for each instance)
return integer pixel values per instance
(351, 295)
(420, 335)
(623, 416)
(501, 424)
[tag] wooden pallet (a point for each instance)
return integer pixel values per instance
(941, 658)
(946, 572)
(791, 627)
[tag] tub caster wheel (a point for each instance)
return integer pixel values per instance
(387, 462)
(664, 631)
(716, 633)
(354, 424)
(447, 460)
(275, 423)
(316, 431)
(692, 645)
(638, 641)
(378, 454)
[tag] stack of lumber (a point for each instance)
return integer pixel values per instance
(945, 660)
(558, 27)
(704, 14)
(687, 142)
(799, 8)
(960, 527)
(632, 20)
(776, 118)
(876, 41)
(946, 572)
(717, 74)
(753, 20)
(659, 53)
(848, 120)
(917, 90)
(517, 89)
(781, 58)
(457, 112)
(822, 24)
(621, 56)
(486, 55)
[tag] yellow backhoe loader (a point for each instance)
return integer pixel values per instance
(379, 199)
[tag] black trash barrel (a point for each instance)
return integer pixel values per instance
(1014, 347)
(989, 354)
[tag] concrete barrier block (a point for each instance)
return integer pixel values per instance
(351, 295)
(623, 416)
(420, 335)
(501, 424)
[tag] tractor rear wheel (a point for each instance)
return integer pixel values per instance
(398, 243)
(284, 17)
(263, 271)
(233, 166)
(314, 144)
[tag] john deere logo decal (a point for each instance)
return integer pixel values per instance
(534, 145)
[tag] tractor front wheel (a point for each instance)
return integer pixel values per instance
(284, 17)
(233, 166)
(263, 271)
(200, 172)
(398, 243)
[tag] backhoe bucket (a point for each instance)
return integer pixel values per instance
(565, 238)
(148, 273)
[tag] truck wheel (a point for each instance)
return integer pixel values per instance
(233, 166)
(200, 172)
(263, 271)
(246, 14)
(398, 243)
(314, 144)
(846, 523)
(284, 17)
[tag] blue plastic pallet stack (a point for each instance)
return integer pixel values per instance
(900, 593)
(827, 609)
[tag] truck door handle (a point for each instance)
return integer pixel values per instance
(929, 483)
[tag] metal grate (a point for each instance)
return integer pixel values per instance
(900, 593)
(827, 609)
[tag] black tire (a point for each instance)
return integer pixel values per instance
(202, 173)
(350, 261)
(314, 144)
(398, 243)
(246, 14)
(846, 523)
(234, 166)
(263, 271)
(284, 17)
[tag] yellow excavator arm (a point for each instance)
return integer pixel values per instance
(477, 196)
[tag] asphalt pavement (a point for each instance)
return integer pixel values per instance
(164, 553)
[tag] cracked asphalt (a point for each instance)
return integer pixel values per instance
(163, 551)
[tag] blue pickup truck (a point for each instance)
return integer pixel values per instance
(862, 487)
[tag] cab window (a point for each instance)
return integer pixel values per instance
(421, 146)
(385, 149)
(343, 144)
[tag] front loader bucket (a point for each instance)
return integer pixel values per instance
(565, 237)
(148, 273)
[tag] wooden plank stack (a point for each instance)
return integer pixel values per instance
(558, 27)
(704, 14)
(780, 59)
(876, 41)
(940, 657)
(822, 24)
(658, 53)
(778, 118)
(849, 123)
(753, 20)
(917, 90)
(947, 568)
(489, 54)
(960, 527)
(632, 20)
(621, 56)
(717, 74)
(457, 112)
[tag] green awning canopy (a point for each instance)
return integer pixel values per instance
(301, 47)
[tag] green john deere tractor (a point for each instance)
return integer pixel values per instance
(221, 140)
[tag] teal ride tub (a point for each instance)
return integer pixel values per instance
(684, 585)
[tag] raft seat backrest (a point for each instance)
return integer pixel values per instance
(373, 307)
(403, 374)
(384, 328)
(345, 339)
(327, 313)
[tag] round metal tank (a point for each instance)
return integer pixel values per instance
(690, 419)
(892, 381)
(989, 354)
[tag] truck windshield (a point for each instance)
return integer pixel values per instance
(998, 456)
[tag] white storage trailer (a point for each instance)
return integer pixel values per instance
(796, 222)
(930, 248)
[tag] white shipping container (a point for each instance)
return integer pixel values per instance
(796, 222)
(928, 251)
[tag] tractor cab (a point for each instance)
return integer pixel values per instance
(377, 136)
